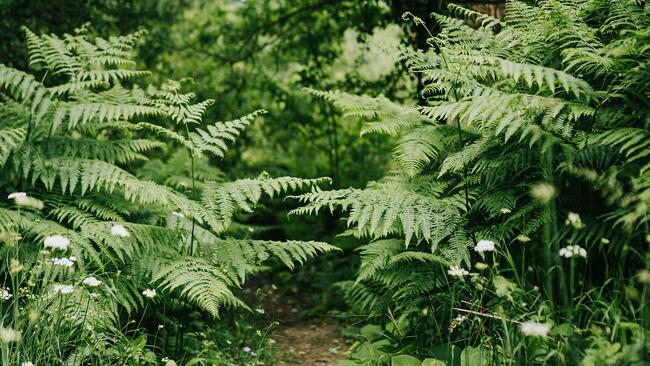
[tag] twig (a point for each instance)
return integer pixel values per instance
(486, 315)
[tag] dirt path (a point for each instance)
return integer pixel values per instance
(309, 343)
(304, 342)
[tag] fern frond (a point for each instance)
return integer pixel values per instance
(27, 90)
(201, 281)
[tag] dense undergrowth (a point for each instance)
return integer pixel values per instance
(513, 226)
(510, 228)
(94, 233)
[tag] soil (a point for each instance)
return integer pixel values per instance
(309, 343)
(300, 341)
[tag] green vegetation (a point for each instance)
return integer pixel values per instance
(469, 188)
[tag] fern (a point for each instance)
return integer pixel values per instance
(520, 121)
(72, 142)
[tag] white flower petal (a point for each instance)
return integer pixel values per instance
(92, 282)
(534, 329)
(119, 230)
(456, 271)
(150, 293)
(57, 242)
(63, 289)
(484, 246)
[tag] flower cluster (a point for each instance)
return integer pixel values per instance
(57, 242)
(5, 294)
(119, 230)
(573, 250)
(534, 329)
(65, 262)
(484, 246)
(574, 220)
(543, 192)
(523, 238)
(63, 289)
(22, 199)
(92, 282)
(150, 293)
(456, 271)
(644, 276)
(8, 335)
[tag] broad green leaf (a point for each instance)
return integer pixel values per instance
(433, 362)
(371, 332)
(475, 356)
(404, 360)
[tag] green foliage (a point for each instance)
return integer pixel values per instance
(524, 122)
(74, 143)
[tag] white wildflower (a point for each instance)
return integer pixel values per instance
(543, 192)
(65, 262)
(26, 201)
(16, 195)
(8, 335)
(178, 214)
(246, 349)
(119, 230)
(480, 266)
(63, 289)
(535, 329)
(5, 294)
(150, 293)
(92, 282)
(484, 246)
(523, 238)
(15, 266)
(573, 250)
(644, 276)
(456, 271)
(574, 220)
(57, 242)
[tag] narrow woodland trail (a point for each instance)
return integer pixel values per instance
(305, 342)
(308, 343)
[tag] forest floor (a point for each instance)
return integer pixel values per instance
(305, 342)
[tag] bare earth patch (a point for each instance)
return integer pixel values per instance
(308, 343)
(304, 342)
